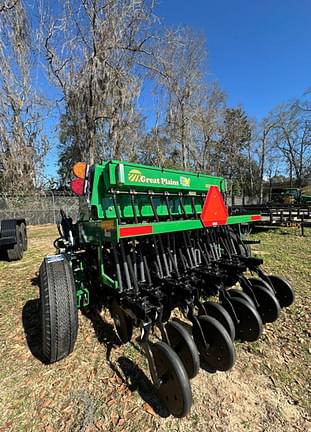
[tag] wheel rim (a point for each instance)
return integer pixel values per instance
(283, 290)
(21, 243)
(249, 326)
(219, 354)
(218, 312)
(183, 344)
(269, 308)
(174, 389)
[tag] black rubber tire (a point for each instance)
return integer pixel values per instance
(175, 389)
(220, 353)
(284, 292)
(183, 344)
(250, 325)
(269, 308)
(261, 282)
(123, 324)
(16, 252)
(217, 311)
(59, 313)
(237, 293)
(23, 230)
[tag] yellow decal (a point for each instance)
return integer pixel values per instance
(185, 181)
(134, 175)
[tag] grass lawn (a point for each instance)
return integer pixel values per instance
(102, 386)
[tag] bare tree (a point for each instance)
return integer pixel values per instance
(156, 147)
(181, 60)
(235, 135)
(292, 137)
(7, 6)
(207, 122)
(264, 150)
(96, 51)
(22, 144)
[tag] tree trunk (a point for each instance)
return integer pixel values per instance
(183, 140)
(92, 146)
(262, 167)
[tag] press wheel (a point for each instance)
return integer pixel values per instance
(123, 324)
(237, 293)
(249, 327)
(283, 291)
(219, 353)
(269, 308)
(174, 388)
(261, 282)
(217, 311)
(183, 344)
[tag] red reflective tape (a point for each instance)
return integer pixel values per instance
(135, 230)
(255, 217)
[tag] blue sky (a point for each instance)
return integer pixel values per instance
(258, 50)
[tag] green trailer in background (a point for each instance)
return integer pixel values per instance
(289, 197)
(150, 241)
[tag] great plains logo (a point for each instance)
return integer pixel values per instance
(185, 181)
(134, 175)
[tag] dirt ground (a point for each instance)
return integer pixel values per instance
(102, 386)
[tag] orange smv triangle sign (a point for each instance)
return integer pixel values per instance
(214, 210)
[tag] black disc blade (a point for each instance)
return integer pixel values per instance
(123, 324)
(217, 311)
(174, 390)
(268, 306)
(237, 293)
(249, 327)
(183, 344)
(261, 282)
(219, 352)
(283, 290)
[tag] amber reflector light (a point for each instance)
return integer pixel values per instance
(79, 169)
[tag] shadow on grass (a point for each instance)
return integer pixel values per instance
(136, 380)
(104, 331)
(35, 280)
(32, 328)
